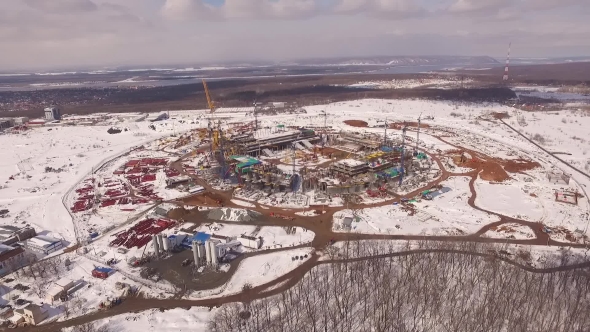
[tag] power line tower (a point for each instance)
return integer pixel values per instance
(505, 77)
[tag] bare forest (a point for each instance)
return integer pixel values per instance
(432, 287)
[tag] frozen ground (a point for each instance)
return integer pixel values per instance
(258, 270)
(195, 319)
(509, 199)
(515, 231)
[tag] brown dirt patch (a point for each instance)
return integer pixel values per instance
(500, 115)
(400, 125)
(178, 213)
(356, 123)
(491, 171)
(206, 199)
(519, 165)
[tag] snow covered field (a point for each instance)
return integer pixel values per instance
(194, 319)
(259, 270)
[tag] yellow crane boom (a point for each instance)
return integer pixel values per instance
(209, 101)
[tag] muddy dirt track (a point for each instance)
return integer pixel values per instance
(322, 227)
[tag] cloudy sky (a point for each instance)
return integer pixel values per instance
(36, 34)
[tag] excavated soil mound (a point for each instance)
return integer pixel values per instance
(493, 172)
(400, 125)
(178, 213)
(519, 165)
(356, 123)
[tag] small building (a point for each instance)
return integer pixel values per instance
(250, 241)
(21, 120)
(33, 314)
(177, 180)
(558, 177)
(44, 244)
(52, 114)
(102, 272)
(6, 123)
(11, 258)
(59, 289)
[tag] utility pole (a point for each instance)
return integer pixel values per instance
(401, 176)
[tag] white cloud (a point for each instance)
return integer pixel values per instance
(62, 6)
(470, 6)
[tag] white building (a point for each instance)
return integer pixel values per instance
(44, 244)
(52, 113)
(58, 289)
(250, 241)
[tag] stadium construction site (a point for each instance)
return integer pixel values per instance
(247, 202)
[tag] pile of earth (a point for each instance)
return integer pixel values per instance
(357, 123)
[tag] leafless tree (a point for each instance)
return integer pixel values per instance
(435, 287)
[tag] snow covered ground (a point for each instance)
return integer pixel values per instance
(195, 319)
(259, 270)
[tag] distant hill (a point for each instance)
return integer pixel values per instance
(403, 61)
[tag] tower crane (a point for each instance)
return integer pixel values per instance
(401, 173)
(212, 107)
(418, 134)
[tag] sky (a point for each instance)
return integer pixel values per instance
(46, 34)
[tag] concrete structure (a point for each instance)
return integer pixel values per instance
(11, 259)
(44, 244)
(52, 114)
(350, 167)
(33, 314)
(276, 138)
(558, 177)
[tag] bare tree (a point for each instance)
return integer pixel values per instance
(437, 287)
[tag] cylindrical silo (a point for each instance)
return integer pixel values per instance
(207, 252)
(196, 253)
(213, 249)
(165, 244)
(156, 246)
